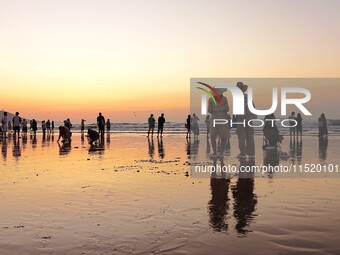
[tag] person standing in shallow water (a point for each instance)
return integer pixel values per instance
(161, 121)
(187, 126)
(207, 123)
(16, 124)
(101, 125)
(34, 126)
(108, 126)
(299, 125)
(151, 123)
(82, 126)
(194, 126)
(323, 130)
(292, 124)
(4, 125)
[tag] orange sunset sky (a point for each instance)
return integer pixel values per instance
(74, 58)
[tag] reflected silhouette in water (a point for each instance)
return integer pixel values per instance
(97, 148)
(4, 149)
(244, 200)
(218, 205)
(16, 148)
(64, 148)
(151, 147)
(161, 152)
(271, 158)
(323, 145)
(108, 140)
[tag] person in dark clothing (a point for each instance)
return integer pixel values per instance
(92, 135)
(108, 126)
(101, 125)
(299, 125)
(151, 122)
(34, 126)
(161, 121)
(323, 130)
(187, 126)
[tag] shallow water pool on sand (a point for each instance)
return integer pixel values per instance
(132, 195)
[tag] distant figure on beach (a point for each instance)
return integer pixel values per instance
(82, 125)
(52, 126)
(219, 111)
(108, 126)
(245, 133)
(207, 123)
(44, 127)
(272, 137)
(10, 127)
(101, 125)
(4, 125)
(34, 126)
(323, 129)
(92, 136)
(48, 126)
(187, 126)
(292, 124)
(65, 134)
(24, 126)
(68, 124)
(151, 123)
(194, 126)
(299, 125)
(161, 121)
(16, 124)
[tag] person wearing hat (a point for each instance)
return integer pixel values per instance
(245, 133)
(219, 111)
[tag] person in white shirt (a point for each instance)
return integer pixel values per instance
(16, 124)
(4, 125)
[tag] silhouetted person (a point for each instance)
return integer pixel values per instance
(44, 127)
(151, 123)
(187, 126)
(194, 126)
(4, 124)
(16, 124)
(101, 125)
(93, 136)
(245, 133)
(271, 133)
(34, 126)
(161, 121)
(292, 124)
(323, 129)
(207, 123)
(65, 134)
(24, 126)
(52, 126)
(82, 125)
(108, 126)
(299, 125)
(219, 111)
(48, 126)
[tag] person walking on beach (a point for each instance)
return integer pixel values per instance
(34, 126)
(4, 125)
(161, 121)
(101, 125)
(82, 125)
(244, 132)
(207, 123)
(43, 126)
(219, 111)
(16, 124)
(108, 126)
(151, 122)
(194, 126)
(64, 132)
(299, 125)
(323, 130)
(48, 126)
(52, 126)
(292, 124)
(187, 126)
(24, 126)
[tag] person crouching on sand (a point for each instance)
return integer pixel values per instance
(92, 136)
(64, 132)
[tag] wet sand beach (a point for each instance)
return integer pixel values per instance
(133, 196)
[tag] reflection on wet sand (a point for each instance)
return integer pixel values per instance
(323, 145)
(151, 147)
(244, 199)
(64, 148)
(161, 152)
